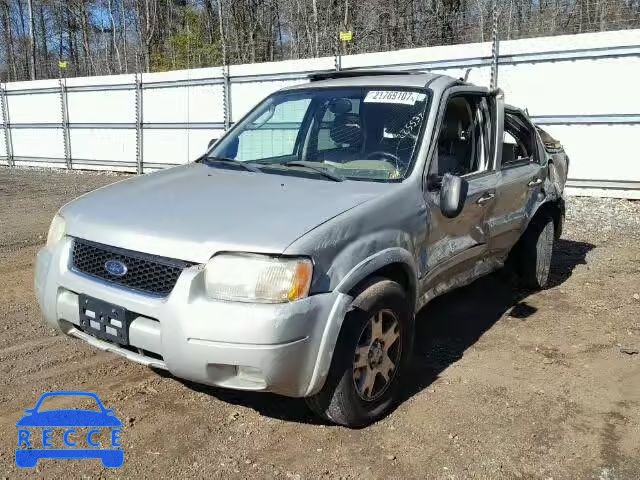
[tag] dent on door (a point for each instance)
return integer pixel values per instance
(458, 247)
(454, 241)
(517, 196)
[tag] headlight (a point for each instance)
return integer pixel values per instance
(258, 278)
(56, 231)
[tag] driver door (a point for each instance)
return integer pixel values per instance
(465, 146)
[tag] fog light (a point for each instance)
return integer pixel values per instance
(251, 374)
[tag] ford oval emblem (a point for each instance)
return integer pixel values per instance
(115, 268)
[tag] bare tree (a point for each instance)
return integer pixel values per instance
(5, 11)
(114, 36)
(32, 43)
(105, 36)
(146, 21)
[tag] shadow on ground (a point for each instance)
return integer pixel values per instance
(452, 323)
(445, 328)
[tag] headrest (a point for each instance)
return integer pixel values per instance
(455, 123)
(339, 106)
(452, 130)
(347, 129)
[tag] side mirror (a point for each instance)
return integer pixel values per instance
(211, 142)
(453, 194)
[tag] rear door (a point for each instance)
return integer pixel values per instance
(520, 181)
(464, 146)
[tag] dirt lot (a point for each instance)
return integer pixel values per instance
(505, 384)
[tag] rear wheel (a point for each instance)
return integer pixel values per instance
(372, 352)
(536, 249)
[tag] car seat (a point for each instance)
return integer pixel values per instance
(346, 133)
(454, 146)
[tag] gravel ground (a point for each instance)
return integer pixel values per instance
(604, 218)
(504, 384)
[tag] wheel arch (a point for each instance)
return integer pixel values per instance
(392, 264)
(554, 209)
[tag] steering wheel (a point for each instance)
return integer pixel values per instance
(384, 155)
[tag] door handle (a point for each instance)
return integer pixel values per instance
(534, 183)
(485, 198)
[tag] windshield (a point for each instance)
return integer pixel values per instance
(356, 133)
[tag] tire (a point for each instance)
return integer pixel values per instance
(534, 256)
(348, 397)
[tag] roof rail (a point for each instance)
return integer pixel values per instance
(329, 74)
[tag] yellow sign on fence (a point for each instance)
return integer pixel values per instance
(346, 36)
(62, 64)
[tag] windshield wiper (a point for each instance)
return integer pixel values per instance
(313, 166)
(230, 161)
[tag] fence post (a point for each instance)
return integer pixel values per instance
(226, 79)
(495, 48)
(139, 126)
(66, 137)
(4, 106)
(226, 96)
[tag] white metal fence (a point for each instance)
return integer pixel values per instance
(582, 88)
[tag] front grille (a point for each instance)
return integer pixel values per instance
(145, 273)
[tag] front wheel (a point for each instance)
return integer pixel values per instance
(372, 352)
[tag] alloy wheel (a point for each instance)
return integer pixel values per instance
(377, 355)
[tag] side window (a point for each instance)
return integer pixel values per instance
(462, 146)
(274, 133)
(517, 145)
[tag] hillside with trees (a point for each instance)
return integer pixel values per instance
(101, 37)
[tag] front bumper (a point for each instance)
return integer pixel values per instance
(282, 348)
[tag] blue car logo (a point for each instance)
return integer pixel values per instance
(115, 268)
(32, 447)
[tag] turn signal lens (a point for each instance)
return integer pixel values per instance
(301, 281)
(56, 231)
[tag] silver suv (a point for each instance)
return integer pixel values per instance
(293, 255)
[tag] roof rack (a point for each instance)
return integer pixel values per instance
(329, 74)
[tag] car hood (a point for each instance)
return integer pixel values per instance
(194, 211)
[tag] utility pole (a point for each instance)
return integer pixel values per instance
(32, 42)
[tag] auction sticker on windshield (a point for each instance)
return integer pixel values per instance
(394, 96)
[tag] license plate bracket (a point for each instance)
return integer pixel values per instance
(104, 320)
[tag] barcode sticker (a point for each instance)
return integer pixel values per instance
(394, 96)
